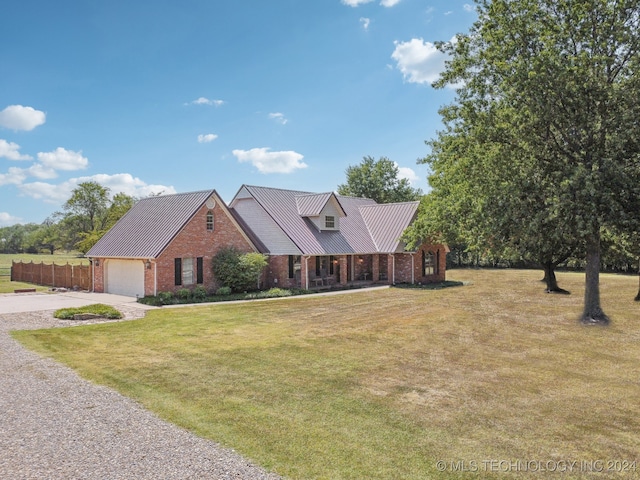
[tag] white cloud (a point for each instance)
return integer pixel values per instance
(6, 220)
(206, 101)
(62, 159)
(419, 61)
(279, 117)
(271, 162)
(355, 3)
(365, 22)
(408, 173)
(15, 176)
(17, 117)
(389, 3)
(209, 137)
(468, 8)
(40, 171)
(10, 150)
(121, 182)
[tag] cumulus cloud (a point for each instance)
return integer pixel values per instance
(206, 101)
(355, 3)
(408, 173)
(209, 137)
(419, 61)
(389, 3)
(121, 182)
(40, 171)
(62, 159)
(10, 150)
(15, 176)
(468, 8)
(279, 117)
(6, 220)
(18, 117)
(271, 162)
(365, 22)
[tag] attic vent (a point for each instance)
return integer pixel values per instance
(211, 203)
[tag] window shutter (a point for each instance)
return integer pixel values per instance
(200, 270)
(178, 271)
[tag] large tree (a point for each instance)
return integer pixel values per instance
(89, 213)
(567, 72)
(378, 180)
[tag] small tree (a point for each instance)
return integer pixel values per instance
(238, 271)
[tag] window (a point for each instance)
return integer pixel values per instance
(429, 263)
(210, 221)
(187, 271)
(329, 221)
(184, 272)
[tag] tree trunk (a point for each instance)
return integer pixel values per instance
(637, 299)
(593, 313)
(550, 278)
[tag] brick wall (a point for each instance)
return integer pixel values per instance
(196, 241)
(404, 265)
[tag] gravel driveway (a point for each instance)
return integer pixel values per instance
(55, 425)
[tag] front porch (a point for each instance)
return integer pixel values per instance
(343, 271)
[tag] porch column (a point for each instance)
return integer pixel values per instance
(391, 268)
(304, 272)
(343, 269)
(375, 268)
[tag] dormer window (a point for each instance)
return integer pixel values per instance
(210, 221)
(329, 221)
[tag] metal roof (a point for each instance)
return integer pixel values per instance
(377, 231)
(387, 222)
(146, 229)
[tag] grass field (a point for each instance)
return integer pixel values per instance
(7, 286)
(494, 379)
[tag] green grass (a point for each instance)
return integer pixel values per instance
(385, 384)
(106, 311)
(7, 286)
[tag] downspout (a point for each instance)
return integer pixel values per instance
(93, 275)
(155, 279)
(393, 269)
(306, 271)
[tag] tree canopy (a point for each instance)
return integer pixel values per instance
(540, 149)
(378, 180)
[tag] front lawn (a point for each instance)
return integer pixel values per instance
(486, 380)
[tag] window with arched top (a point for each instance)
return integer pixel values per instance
(210, 221)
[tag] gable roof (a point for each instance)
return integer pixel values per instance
(146, 229)
(367, 227)
(387, 222)
(312, 204)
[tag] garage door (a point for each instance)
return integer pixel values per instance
(125, 277)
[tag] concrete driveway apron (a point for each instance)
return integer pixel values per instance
(35, 302)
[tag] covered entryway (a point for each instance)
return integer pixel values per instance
(125, 277)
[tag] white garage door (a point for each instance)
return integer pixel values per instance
(125, 277)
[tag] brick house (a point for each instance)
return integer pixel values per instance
(312, 241)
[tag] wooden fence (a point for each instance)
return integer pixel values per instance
(61, 276)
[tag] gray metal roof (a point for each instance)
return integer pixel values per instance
(379, 233)
(387, 222)
(146, 229)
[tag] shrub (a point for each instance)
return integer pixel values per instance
(274, 293)
(183, 294)
(240, 272)
(223, 291)
(166, 298)
(199, 293)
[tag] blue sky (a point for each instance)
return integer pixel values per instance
(165, 96)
